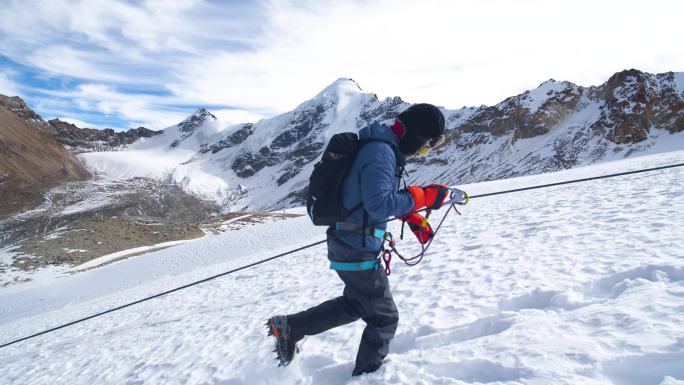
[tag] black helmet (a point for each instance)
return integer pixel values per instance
(424, 125)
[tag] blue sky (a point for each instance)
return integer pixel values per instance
(123, 64)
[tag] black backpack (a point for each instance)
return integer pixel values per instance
(324, 198)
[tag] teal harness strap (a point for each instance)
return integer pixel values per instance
(355, 266)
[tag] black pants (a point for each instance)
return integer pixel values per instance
(367, 296)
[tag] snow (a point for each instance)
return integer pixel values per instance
(119, 254)
(679, 83)
(89, 204)
(574, 284)
(119, 165)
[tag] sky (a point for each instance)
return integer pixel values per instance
(123, 64)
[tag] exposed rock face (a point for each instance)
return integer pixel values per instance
(635, 102)
(31, 161)
(195, 120)
(631, 103)
(572, 125)
(526, 115)
(300, 143)
(17, 106)
(297, 144)
(191, 123)
(384, 111)
(79, 140)
(231, 140)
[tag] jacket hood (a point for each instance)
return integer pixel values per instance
(384, 133)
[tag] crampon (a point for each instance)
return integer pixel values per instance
(285, 345)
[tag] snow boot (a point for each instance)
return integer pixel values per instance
(285, 345)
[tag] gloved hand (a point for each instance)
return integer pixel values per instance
(419, 226)
(432, 196)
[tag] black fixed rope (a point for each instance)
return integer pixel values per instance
(320, 242)
(162, 293)
(579, 180)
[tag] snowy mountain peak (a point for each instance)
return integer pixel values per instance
(550, 81)
(339, 88)
(195, 120)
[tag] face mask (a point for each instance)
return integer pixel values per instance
(410, 144)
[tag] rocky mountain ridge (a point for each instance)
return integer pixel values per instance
(31, 161)
(266, 164)
(561, 125)
(18, 106)
(78, 140)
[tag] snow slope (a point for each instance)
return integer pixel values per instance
(575, 284)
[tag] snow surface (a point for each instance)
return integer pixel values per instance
(679, 82)
(575, 284)
(119, 254)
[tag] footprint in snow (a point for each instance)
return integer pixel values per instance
(427, 338)
(481, 328)
(600, 290)
(481, 371)
(646, 369)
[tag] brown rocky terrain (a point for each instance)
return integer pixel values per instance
(78, 140)
(635, 102)
(31, 161)
(135, 199)
(90, 238)
(17, 106)
(87, 237)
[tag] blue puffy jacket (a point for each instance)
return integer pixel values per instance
(374, 179)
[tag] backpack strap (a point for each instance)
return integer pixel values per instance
(364, 230)
(365, 226)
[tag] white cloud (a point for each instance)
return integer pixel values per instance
(267, 57)
(7, 86)
(447, 52)
(137, 110)
(236, 116)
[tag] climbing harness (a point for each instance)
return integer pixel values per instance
(418, 224)
(355, 266)
(421, 228)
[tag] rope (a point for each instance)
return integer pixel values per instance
(413, 261)
(578, 180)
(318, 243)
(163, 293)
